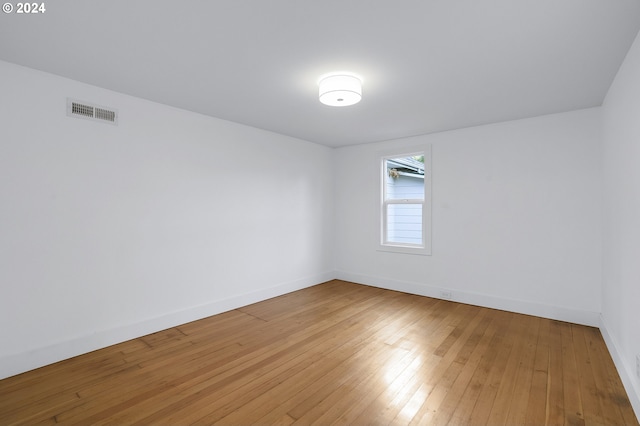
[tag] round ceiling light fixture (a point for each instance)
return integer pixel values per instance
(340, 89)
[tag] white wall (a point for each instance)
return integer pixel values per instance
(516, 217)
(621, 265)
(111, 232)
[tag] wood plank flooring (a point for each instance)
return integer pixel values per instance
(335, 353)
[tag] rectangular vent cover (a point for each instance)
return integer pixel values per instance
(88, 111)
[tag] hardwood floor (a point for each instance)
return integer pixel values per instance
(336, 353)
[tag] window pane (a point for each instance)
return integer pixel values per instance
(404, 223)
(405, 179)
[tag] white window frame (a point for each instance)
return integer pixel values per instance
(423, 249)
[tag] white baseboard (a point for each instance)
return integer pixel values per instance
(625, 370)
(13, 364)
(512, 305)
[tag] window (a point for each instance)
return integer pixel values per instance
(405, 208)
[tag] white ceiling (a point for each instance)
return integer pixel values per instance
(427, 65)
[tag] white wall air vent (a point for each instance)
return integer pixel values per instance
(80, 109)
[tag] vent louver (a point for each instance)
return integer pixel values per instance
(88, 111)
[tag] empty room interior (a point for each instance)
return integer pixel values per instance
(297, 212)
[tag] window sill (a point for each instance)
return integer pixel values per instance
(420, 251)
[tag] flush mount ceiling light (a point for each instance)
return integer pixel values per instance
(340, 89)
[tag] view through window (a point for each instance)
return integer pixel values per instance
(404, 201)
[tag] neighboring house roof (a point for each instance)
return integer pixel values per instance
(407, 166)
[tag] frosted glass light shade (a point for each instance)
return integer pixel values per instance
(340, 90)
